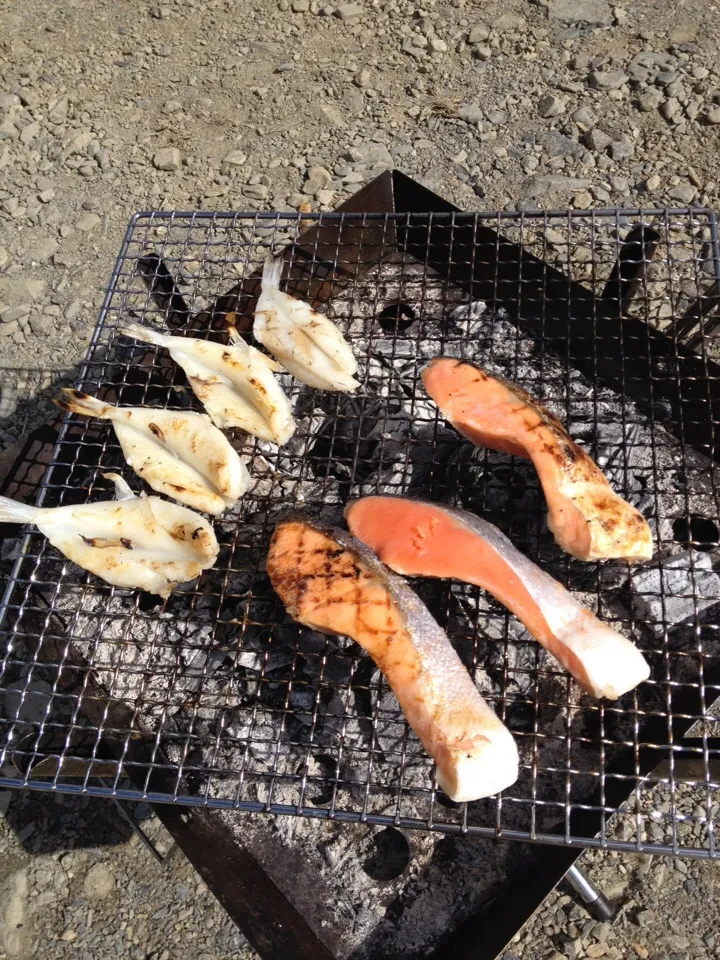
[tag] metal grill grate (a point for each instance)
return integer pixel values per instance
(214, 697)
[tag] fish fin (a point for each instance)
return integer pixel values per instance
(122, 488)
(78, 402)
(146, 334)
(234, 334)
(12, 511)
(272, 272)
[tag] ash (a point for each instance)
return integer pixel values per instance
(248, 707)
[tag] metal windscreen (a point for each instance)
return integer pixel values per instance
(216, 697)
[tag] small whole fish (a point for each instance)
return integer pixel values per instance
(331, 582)
(132, 541)
(585, 515)
(178, 453)
(306, 343)
(433, 540)
(234, 383)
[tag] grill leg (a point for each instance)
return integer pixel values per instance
(595, 900)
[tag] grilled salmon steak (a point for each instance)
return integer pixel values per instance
(331, 582)
(586, 517)
(434, 540)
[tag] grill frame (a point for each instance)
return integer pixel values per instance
(576, 833)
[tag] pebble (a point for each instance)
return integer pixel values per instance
(650, 100)
(479, 33)
(167, 159)
(300, 6)
(594, 12)
(607, 79)
(87, 222)
(551, 106)
(14, 925)
(683, 193)
(12, 314)
(349, 12)
(257, 191)
(471, 112)
(596, 139)
(236, 158)
(713, 114)
(99, 883)
(585, 118)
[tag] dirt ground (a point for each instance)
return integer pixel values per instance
(107, 108)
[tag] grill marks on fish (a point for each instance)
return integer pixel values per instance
(332, 583)
(588, 519)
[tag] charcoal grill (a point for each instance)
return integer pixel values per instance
(214, 698)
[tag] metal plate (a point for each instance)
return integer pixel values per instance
(214, 697)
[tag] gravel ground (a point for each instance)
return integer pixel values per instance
(107, 108)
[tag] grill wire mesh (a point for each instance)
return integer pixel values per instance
(215, 697)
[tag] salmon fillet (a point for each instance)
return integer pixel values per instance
(432, 540)
(331, 582)
(586, 517)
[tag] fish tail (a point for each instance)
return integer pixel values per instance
(272, 272)
(75, 401)
(139, 332)
(123, 491)
(12, 511)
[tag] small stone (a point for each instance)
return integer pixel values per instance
(321, 174)
(595, 950)
(28, 133)
(653, 183)
(4, 256)
(551, 106)
(349, 12)
(621, 149)
(585, 118)
(43, 250)
(671, 110)
(42, 325)
(683, 193)
(59, 110)
(498, 117)
(168, 159)
(471, 112)
(650, 100)
(479, 33)
(325, 197)
(236, 158)
(683, 32)
(45, 196)
(256, 191)
(482, 52)
(87, 222)
(172, 106)
(300, 6)
(713, 114)
(355, 176)
(362, 78)
(436, 44)
(607, 79)
(99, 882)
(596, 139)
(594, 12)
(582, 201)
(9, 329)
(641, 951)
(68, 935)
(12, 314)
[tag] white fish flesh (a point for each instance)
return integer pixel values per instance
(331, 582)
(178, 453)
(306, 342)
(143, 542)
(433, 540)
(235, 383)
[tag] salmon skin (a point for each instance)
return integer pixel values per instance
(433, 540)
(586, 517)
(331, 582)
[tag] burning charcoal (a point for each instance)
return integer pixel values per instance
(673, 590)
